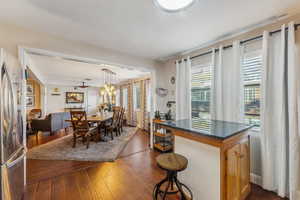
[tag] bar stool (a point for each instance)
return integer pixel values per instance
(172, 163)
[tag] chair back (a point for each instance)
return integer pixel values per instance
(115, 117)
(79, 120)
(116, 111)
(121, 118)
(116, 108)
(35, 113)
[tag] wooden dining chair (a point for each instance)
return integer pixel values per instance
(114, 123)
(81, 128)
(116, 108)
(121, 121)
(109, 122)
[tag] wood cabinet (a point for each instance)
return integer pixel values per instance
(238, 171)
(225, 162)
(232, 173)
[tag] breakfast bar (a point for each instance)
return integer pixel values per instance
(218, 154)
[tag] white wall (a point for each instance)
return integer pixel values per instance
(202, 175)
(164, 75)
(57, 103)
(93, 99)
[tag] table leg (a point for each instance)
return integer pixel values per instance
(101, 137)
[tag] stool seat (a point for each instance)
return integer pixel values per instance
(172, 162)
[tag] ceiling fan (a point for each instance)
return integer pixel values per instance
(83, 85)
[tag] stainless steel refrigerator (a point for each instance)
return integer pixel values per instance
(12, 145)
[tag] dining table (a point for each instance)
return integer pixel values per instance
(99, 119)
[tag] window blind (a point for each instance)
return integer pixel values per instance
(201, 77)
(252, 67)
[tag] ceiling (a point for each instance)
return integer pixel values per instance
(138, 27)
(58, 71)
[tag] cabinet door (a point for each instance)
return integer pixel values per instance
(232, 173)
(244, 169)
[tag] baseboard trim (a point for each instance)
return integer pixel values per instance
(256, 179)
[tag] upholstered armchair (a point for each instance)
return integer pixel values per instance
(52, 123)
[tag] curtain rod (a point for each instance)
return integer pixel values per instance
(241, 42)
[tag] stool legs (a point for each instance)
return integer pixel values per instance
(167, 188)
(183, 194)
(170, 180)
(157, 187)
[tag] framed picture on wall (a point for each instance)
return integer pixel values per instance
(30, 101)
(74, 97)
(30, 89)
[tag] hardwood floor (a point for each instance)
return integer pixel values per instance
(131, 177)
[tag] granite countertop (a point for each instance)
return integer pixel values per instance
(212, 128)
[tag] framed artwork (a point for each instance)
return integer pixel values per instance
(30, 89)
(74, 97)
(30, 101)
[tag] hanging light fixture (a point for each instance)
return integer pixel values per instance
(109, 81)
(174, 5)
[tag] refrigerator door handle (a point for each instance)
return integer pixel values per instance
(10, 164)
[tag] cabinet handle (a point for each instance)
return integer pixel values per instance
(239, 155)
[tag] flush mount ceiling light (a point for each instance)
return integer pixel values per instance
(174, 5)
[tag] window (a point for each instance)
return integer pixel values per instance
(137, 96)
(252, 65)
(201, 82)
(125, 98)
(201, 90)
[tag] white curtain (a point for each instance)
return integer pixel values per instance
(233, 86)
(183, 89)
(273, 114)
(118, 101)
(125, 98)
(280, 134)
(217, 107)
(293, 94)
(228, 85)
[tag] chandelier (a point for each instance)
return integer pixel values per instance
(109, 81)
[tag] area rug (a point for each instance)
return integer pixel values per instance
(61, 149)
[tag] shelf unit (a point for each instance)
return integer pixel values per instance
(163, 139)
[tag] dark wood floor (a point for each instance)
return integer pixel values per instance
(131, 177)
